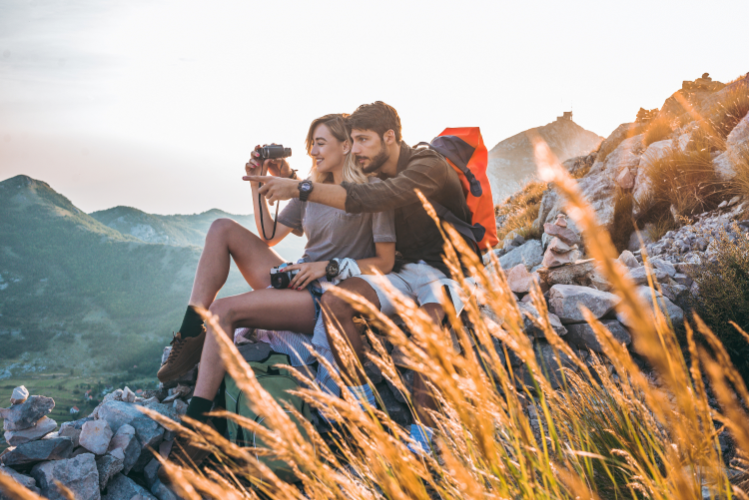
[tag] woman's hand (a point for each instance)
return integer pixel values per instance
(308, 272)
(276, 168)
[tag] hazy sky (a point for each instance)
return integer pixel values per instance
(156, 104)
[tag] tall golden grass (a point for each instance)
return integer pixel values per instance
(610, 431)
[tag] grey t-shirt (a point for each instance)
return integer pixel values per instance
(334, 233)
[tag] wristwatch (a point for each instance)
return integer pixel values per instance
(305, 188)
(332, 269)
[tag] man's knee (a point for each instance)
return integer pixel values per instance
(435, 311)
(337, 306)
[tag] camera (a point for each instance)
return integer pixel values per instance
(279, 278)
(273, 152)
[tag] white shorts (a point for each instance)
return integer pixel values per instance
(419, 282)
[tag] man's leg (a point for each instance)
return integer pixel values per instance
(225, 240)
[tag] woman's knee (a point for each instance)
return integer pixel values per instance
(221, 228)
(222, 309)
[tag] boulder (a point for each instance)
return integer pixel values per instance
(108, 465)
(78, 474)
(655, 152)
(553, 259)
(640, 275)
(529, 326)
(625, 179)
(581, 335)
(44, 426)
(665, 266)
(552, 363)
(737, 147)
(72, 429)
(95, 436)
(578, 273)
(19, 396)
(124, 439)
(150, 472)
(628, 259)
(671, 310)
(530, 254)
(519, 279)
(148, 432)
(162, 492)
(25, 481)
(566, 300)
(118, 413)
(25, 415)
(38, 451)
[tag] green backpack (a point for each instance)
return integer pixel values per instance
(277, 382)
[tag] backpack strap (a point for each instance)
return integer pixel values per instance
(459, 152)
(471, 232)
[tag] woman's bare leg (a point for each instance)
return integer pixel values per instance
(264, 308)
(225, 240)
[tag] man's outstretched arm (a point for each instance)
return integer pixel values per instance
(278, 189)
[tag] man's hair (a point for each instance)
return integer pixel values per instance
(378, 117)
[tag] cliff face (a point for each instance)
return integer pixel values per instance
(511, 162)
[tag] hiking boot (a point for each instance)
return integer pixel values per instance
(185, 354)
(185, 454)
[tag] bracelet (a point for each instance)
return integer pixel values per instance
(293, 174)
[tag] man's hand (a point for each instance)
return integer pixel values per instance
(275, 189)
(308, 272)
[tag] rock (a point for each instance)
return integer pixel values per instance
(73, 429)
(671, 310)
(124, 439)
(150, 472)
(561, 220)
(108, 465)
(578, 273)
(737, 146)
(162, 492)
(664, 266)
(529, 326)
(25, 415)
(625, 179)
(27, 482)
(78, 474)
(640, 275)
(552, 259)
(581, 335)
(530, 254)
(676, 293)
(519, 279)
(128, 396)
(565, 301)
(628, 259)
(565, 234)
(559, 247)
(549, 360)
(148, 432)
(179, 406)
(95, 436)
(372, 372)
(734, 200)
(37, 451)
(118, 413)
(44, 426)
(19, 396)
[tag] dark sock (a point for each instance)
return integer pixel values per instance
(198, 407)
(192, 325)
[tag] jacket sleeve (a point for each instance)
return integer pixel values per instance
(426, 176)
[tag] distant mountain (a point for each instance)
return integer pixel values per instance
(76, 293)
(181, 230)
(511, 162)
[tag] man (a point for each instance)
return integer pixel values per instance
(420, 271)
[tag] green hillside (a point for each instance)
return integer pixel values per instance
(76, 294)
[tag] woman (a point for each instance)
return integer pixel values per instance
(364, 242)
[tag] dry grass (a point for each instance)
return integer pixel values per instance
(732, 109)
(609, 434)
(657, 130)
(686, 180)
(519, 212)
(623, 225)
(740, 182)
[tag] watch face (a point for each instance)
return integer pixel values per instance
(305, 186)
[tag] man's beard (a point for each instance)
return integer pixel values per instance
(377, 162)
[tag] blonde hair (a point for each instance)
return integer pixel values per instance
(338, 127)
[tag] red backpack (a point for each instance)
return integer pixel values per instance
(464, 150)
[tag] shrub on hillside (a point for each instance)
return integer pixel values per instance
(658, 130)
(735, 107)
(622, 226)
(685, 180)
(724, 294)
(740, 181)
(518, 212)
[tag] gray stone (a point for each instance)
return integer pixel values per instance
(553, 259)
(529, 326)
(628, 259)
(162, 492)
(95, 436)
(19, 396)
(559, 247)
(78, 474)
(150, 472)
(565, 301)
(581, 335)
(531, 254)
(552, 364)
(123, 488)
(125, 440)
(578, 273)
(37, 451)
(676, 293)
(108, 465)
(25, 481)
(640, 275)
(118, 413)
(73, 428)
(565, 234)
(664, 266)
(25, 415)
(148, 432)
(671, 310)
(44, 426)
(625, 179)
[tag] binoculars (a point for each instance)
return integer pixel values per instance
(273, 152)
